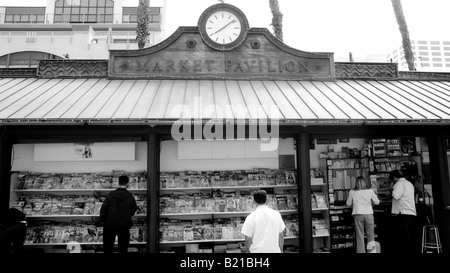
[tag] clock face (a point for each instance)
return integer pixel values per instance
(223, 27)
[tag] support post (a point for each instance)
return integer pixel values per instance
(304, 193)
(440, 178)
(153, 161)
(5, 175)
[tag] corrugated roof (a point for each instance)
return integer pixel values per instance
(106, 100)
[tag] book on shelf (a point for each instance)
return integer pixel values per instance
(234, 250)
(320, 200)
(220, 248)
(192, 248)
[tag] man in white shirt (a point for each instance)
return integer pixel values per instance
(263, 228)
(404, 213)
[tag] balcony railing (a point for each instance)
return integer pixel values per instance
(51, 18)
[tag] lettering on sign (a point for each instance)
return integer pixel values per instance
(227, 66)
(185, 55)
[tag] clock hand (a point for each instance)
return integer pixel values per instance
(224, 26)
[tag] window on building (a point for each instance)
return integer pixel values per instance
(425, 64)
(24, 15)
(129, 15)
(435, 42)
(447, 65)
(435, 48)
(26, 59)
(436, 53)
(447, 48)
(425, 59)
(423, 48)
(447, 59)
(84, 11)
(3, 61)
(437, 65)
(446, 43)
(447, 53)
(437, 59)
(422, 42)
(124, 41)
(423, 53)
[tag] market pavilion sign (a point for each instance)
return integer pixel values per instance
(186, 55)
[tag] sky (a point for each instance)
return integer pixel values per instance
(362, 27)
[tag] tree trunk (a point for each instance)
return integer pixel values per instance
(277, 19)
(409, 56)
(143, 19)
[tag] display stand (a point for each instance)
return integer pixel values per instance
(204, 211)
(64, 208)
(341, 174)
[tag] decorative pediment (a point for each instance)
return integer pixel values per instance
(185, 55)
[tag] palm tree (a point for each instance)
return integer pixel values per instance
(277, 19)
(143, 19)
(409, 56)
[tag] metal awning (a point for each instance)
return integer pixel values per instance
(102, 100)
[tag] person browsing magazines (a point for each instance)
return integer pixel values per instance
(404, 213)
(263, 228)
(115, 213)
(361, 199)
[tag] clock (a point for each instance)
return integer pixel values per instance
(223, 26)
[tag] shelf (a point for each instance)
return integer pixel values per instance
(344, 213)
(342, 239)
(319, 209)
(321, 235)
(226, 213)
(83, 243)
(213, 241)
(340, 207)
(395, 156)
(346, 158)
(320, 251)
(348, 248)
(348, 168)
(80, 191)
(230, 187)
(69, 216)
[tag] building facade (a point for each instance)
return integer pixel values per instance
(82, 29)
(432, 56)
(187, 119)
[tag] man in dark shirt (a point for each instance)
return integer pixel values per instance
(115, 213)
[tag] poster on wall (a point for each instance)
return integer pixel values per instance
(102, 151)
(83, 150)
(326, 141)
(408, 145)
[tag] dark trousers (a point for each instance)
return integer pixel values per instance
(406, 233)
(109, 237)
